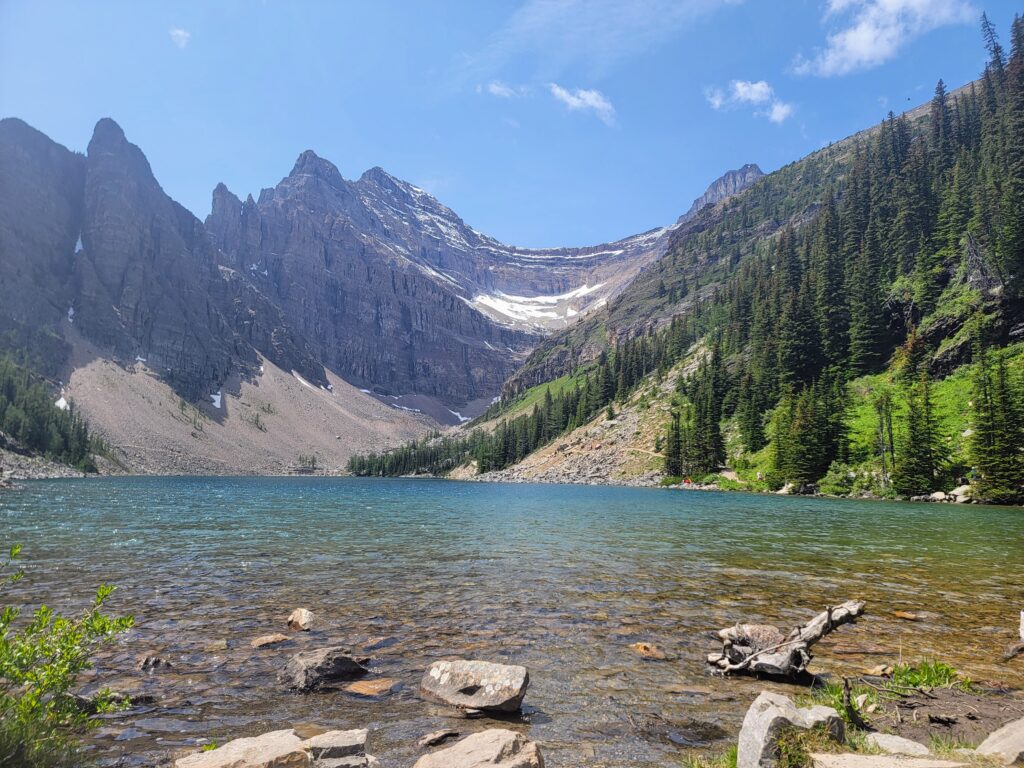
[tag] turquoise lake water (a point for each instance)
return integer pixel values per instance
(561, 579)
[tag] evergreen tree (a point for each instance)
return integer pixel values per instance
(918, 460)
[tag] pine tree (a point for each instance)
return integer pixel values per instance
(997, 439)
(918, 460)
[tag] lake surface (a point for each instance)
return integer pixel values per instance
(561, 579)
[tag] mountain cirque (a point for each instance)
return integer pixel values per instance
(371, 282)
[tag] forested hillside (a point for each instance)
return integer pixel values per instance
(898, 253)
(32, 423)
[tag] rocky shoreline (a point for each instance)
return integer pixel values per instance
(880, 722)
(16, 466)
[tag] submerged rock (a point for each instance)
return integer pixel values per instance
(479, 685)
(154, 664)
(273, 639)
(494, 748)
(649, 651)
(277, 749)
(436, 737)
(769, 717)
(308, 670)
(371, 687)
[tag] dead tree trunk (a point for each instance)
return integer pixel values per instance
(763, 649)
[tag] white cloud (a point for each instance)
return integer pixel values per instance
(554, 35)
(873, 31)
(746, 92)
(585, 101)
(179, 36)
(779, 112)
(501, 90)
(715, 97)
(749, 92)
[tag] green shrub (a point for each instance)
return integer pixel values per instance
(928, 674)
(39, 665)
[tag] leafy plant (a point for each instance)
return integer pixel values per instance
(39, 665)
(928, 674)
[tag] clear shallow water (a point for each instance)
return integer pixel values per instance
(559, 578)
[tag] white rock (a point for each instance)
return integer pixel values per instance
(1006, 744)
(768, 716)
(494, 748)
(880, 761)
(897, 745)
(938, 496)
(277, 749)
(301, 619)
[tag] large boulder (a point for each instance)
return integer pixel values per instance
(897, 745)
(476, 684)
(494, 748)
(335, 745)
(277, 749)
(308, 670)
(854, 760)
(1006, 744)
(769, 717)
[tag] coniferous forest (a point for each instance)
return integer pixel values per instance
(912, 258)
(28, 416)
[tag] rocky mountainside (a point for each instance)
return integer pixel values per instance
(372, 279)
(729, 184)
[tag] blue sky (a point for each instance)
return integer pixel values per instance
(541, 122)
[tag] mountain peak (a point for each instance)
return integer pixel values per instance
(310, 163)
(107, 133)
(728, 184)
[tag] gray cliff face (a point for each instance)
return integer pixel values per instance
(94, 241)
(728, 184)
(373, 279)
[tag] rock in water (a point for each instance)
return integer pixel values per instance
(494, 748)
(308, 670)
(301, 620)
(337, 744)
(476, 684)
(277, 749)
(1006, 744)
(768, 717)
(434, 738)
(273, 639)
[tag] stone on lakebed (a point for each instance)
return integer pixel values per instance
(277, 749)
(494, 748)
(480, 685)
(308, 670)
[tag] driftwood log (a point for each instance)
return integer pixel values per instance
(764, 649)
(1016, 649)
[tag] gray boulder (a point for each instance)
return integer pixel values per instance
(277, 749)
(769, 717)
(335, 744)
(494, 748)
(897, 745)
(1006, 744)
(476, 684)
(308, 670)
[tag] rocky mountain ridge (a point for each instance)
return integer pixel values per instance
(372, 279)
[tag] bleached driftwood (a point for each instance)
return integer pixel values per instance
(1016, 649)
(764, 649)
